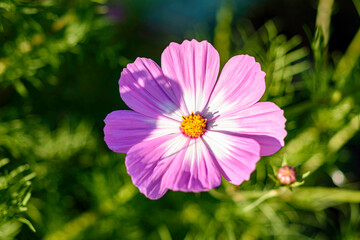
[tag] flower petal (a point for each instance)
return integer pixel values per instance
(148, 161)
(235, 156)
(144, 89)
(240, 85)
(125, 128)
(263, 121)
(194, 66)
(194, 171)
(172, 162)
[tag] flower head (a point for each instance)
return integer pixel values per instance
(188, 127)
(286, 175)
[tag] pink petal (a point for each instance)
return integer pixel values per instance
(194, 66)
(235, 156)
(148, 161)
(194, 171)
(263, 121)
(144, 89)
(172, 162)
(125, 128)
(240, 85)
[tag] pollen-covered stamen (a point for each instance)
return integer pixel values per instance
(193, 125)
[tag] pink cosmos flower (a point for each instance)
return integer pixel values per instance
(189, 128)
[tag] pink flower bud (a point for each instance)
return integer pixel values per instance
(286, 175)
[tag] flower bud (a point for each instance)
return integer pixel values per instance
(286, 175)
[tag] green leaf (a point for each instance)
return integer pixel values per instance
(320, 197)
(28, 223)
(4, 161)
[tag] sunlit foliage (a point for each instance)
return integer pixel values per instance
(59, 66)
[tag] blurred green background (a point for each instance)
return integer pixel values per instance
(60, 62)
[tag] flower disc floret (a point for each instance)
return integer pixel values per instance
(193, 125)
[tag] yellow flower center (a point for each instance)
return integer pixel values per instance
(193, 125)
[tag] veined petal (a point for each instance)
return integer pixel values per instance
(194, 170)
(236, 157)
(172, 162)
(240, 85)
(148, 161)
(144, 89)
(263, 121)
(125, 128)
(194, 66)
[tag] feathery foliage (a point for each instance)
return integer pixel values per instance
(59, 66)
